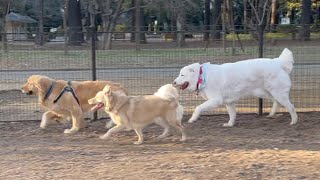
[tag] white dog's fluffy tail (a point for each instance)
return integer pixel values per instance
(168, 92)
(287, 60)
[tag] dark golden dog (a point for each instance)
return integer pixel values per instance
(63, 100)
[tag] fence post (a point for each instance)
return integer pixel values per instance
(261, 33)
(93, 60)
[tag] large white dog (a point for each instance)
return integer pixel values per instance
(229, 82)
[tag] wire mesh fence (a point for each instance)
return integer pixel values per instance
(143, 67)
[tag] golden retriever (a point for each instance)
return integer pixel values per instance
(62, 100)
(136, 112)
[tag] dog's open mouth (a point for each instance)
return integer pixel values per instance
(97, 106)
(184, 85)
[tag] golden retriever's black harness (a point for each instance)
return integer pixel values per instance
(50, 90)
(67, 89)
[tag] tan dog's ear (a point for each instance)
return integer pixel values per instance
(43, 84)
(107, 90)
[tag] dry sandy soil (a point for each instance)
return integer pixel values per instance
(256, 148)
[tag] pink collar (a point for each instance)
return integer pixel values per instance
(200, 80)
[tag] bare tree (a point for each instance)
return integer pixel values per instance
(179, 10)
(74, 22)
(207, 14)
(4, 10)
(40, 16)
(256, 17)
(304, 32)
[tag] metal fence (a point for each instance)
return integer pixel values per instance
(143, 67)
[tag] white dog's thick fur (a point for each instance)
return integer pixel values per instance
(229, 82)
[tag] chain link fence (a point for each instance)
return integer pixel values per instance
(142, 67)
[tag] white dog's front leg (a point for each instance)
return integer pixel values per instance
(232, 115)
(210, 104)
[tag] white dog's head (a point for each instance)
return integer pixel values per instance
(188, 77)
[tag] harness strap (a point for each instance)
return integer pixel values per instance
(68, 88)
(49, 90)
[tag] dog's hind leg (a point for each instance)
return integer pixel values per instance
(275, 108)
(171, 118)
(77, 122)
(165, 125)
(283, 99)
(140, 136)
(47, 118)
(232, 115)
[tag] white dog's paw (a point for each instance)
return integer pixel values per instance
(191, 120)
(71, 131)
(293, 122)
(228, 125)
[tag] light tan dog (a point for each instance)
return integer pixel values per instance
(73, 100)
(136, 112)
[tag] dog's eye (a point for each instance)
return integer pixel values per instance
(181, 75)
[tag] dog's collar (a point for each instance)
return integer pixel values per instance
(201, 83)
(49, 90)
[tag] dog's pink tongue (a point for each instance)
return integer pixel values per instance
(97, 106)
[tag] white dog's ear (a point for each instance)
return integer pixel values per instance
(193, 67)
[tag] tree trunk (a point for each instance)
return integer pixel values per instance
(133, 21)
(304, 33)
(6, 8)
(65, 27)
(137, 23)
(216, 19)
(207, 14)
(41, 34)
(180, 28)
(273, 14)
(74, 22)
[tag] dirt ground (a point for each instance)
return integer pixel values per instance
(256, 148)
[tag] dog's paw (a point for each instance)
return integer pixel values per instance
(293, 123)
(274, 116)
(109, 125)
(191, 120)
(71, 131)
(227, 125)
(137, 142)
(103, 137)
(42, 126)
(183, 139)
(162, 136)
